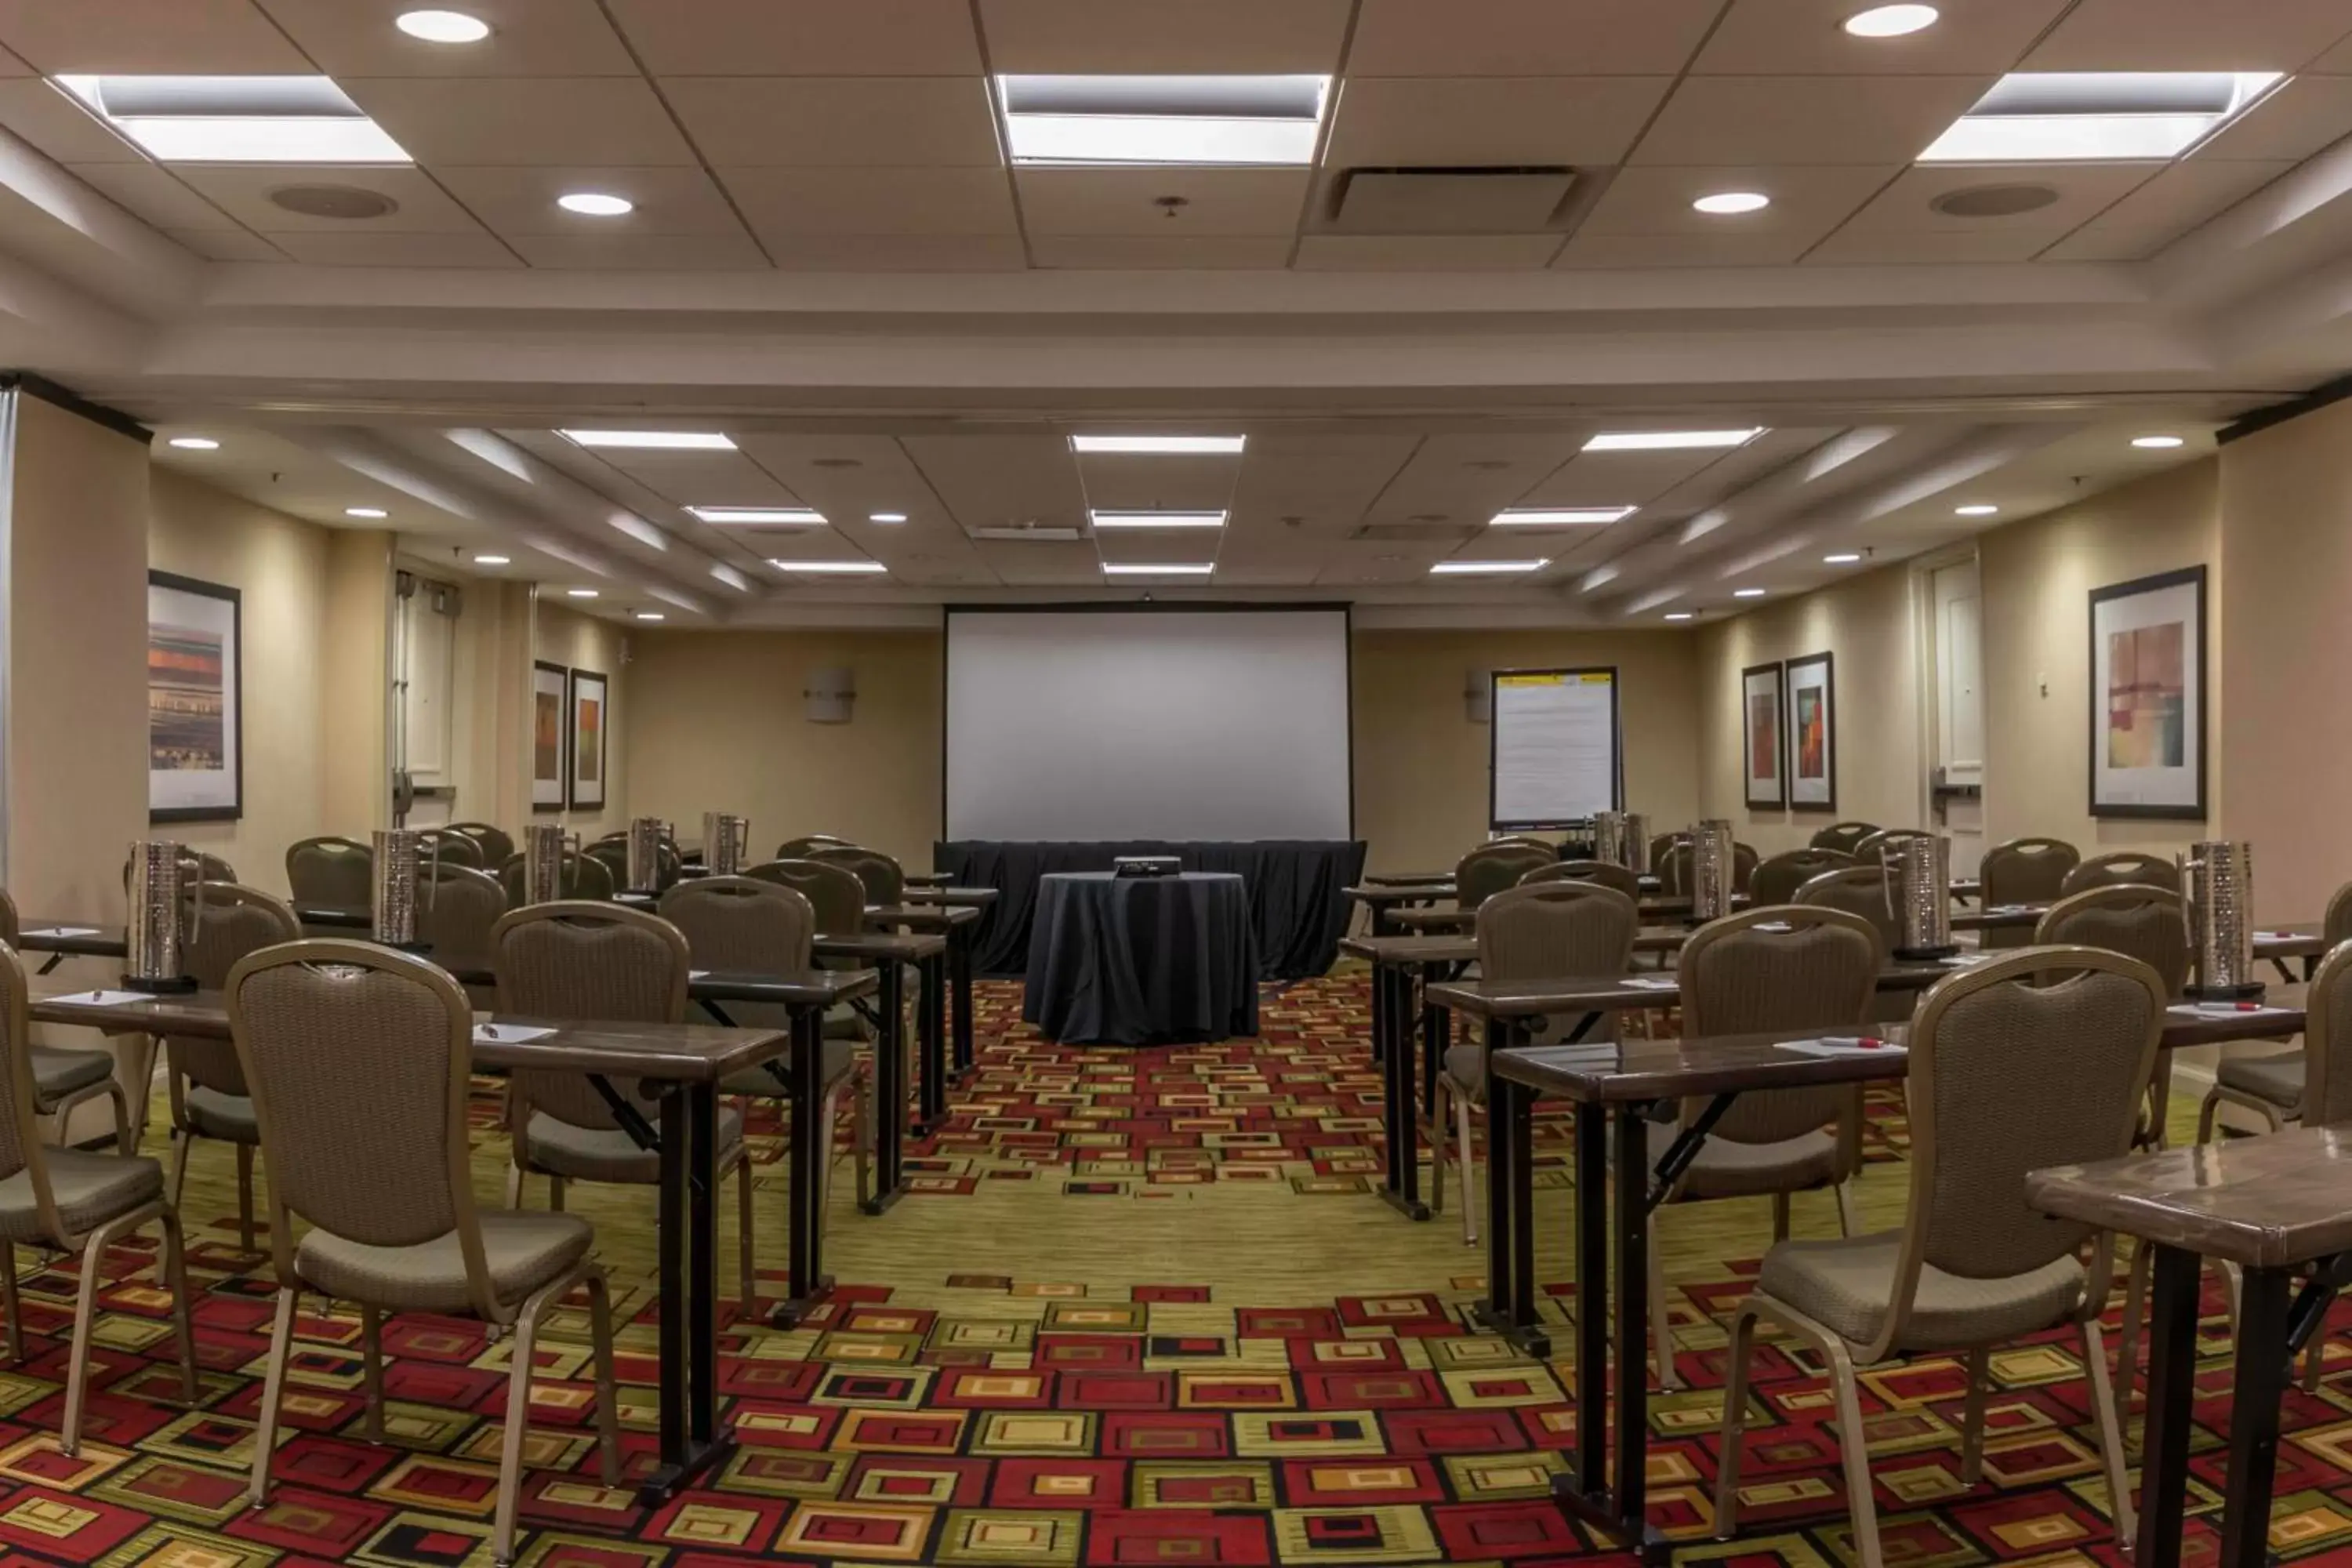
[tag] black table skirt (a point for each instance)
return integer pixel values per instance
(1298, 907)
(1141, 960)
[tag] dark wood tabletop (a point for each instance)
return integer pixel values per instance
(2261, 1203)
(89, 939)
(957, 897)
(1615, 992)
(1409, 879)
(1436, 948)
(922, 917)
(1400, 893)
(879, 946)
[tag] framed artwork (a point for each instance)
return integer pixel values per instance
(196, 709)
(2148, 696)
(589, 712)
(550, 688)
(1761, 695)
(1810, 703)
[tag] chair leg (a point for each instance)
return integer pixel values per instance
(1462, 1157)
(743, 1232)
(126, 1131)
(1973, 1417)
(1849, 1222)
(526, 1333)
(181, 1141)
(555, 1194)
(371, 1367)
(1734, 1421)
(1438, 1116)
(1661, 1328)
(273, 1388)
(1859, 1500)
(514, 1185)
(93, 1255)
(1779, 1216)
(608, 1397)
(2106, 1410)
(175, 1275)
(8, 1298)
(2135, 1285)
(244, 1197)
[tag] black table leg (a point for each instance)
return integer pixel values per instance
(1399, 1112)
(960, 995)
(1509, 1309)
(1380, 1051)
(805, 1204)
(702, 1180)
(930, 1038)
(889, 1128)
(688, 1397)
(2171, 1386)
(1437, 1027)
(2263, 1365)
(1591, 1297)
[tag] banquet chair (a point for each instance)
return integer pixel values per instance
(330, 871)
(1858, 890)
(1671, 866)
(63, 1077)
(581, 878)
(455, 909)
(2024, 871)
(1887, 838)
(2273, 1087)
(1492, 867)
(1843, 836)
(798, 849)
(495, 842)
(1743, 861)
(1533, 932)
(745, 925)
(211, 869)
(1662, 844)
(884, 878)
(2039, 1059)
(837, 899)
(209, 1094)
(1776, 881)
(2125, 866)
(579, 960)
(1529, 839)
(443, 847)
(1600, 873)
(361, 1062)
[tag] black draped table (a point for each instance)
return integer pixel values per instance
(1298, 905)
(1141, 960)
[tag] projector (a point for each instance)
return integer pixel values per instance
(1146, 865)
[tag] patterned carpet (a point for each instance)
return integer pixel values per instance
(1034, 1419)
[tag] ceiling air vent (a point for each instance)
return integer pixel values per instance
(349, 202)
(1029, 533)
(1507, 200)
(1415, 532)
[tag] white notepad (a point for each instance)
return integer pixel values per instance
(1653, 982)
(101, 998)
(2224, 1010)
(508, 1033)
(1841, 1046)
(65, 931)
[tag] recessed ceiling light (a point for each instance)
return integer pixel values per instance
(1891, 21)
(651, 616)
(1844, 558)
(195, 443)
(2092, 116)
(1213, 119)
(1678, 614)
(1748, 592)
(1163, 446)
(2157, 443)
(443, 26)
(1158, 519)
(1138, 569)
(1670, 440)
(1976, 509)
(1485, 568)
(759, 516)
(886, 517)
(1560, 517)
(1726, 204)
(581, 592)
(238, 119)
(365, 511)
(595, 203)
(844, 568)
(493, 560)
(651, 440)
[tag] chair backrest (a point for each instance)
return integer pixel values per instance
(20, 1140)
(1602, 873)
(1526, 839)
(742, 925)
(584, 962)
(1491, 868)
(884, 878)
(455, 912)
(214, 869)
(581, 878)
(443, 847)
(2335, 927)
(833, 891)
(2326, 1034)
(496, 843)
(1872, 844)
(360, 1063)
(799, 849)
(1858, 890)
(1843, 836)
(1555, 930)
(330, 871)
(1743, 867)
(2125, 866)
(11, 926)
(2041, 1057)
(2028, 871)
(235, 921)
(1776, 881)
(1791, 966)
(2145, 923)
(612, 855)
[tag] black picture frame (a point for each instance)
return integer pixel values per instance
(2194, 715)
(560, 781)
(1790, 670)
(1778, 799)
(1494, 679)
(591, 685)
(229, 628)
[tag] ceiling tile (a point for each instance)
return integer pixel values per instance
(883, 478)
(225, 243)
(1132, 483)
(2083, 192)
(1528, 38)
(528, 38)
(1466, 479)
(1002, 481)
(1915, 247)
(1615, 479)
(1041, 565)
(183, 37)
(2302, 118)
(896, 252)
(1803, 38)
(11, 66)
(675, 201)
(2190, 36)
(1161, 252)
(1125, 201)
(700, 478)
(153, 195)
(802, 37)
(1806, 119)
(1425, 252)
(243, 190)
(383, 250)
(1400, 122)
(873, 201)
(643, 252)
(835, 121)
(503, 121)
(2159, 212)
(1752, 248)
(1326, 481)
(1808, 200)
(1218, 37)
(58, 127)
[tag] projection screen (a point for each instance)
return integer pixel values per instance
(1087, 726)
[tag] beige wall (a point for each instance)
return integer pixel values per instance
(355, 684)
(585, 643)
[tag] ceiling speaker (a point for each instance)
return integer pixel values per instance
(346, 201)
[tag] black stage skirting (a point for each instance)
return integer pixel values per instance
(1298, 909)
(1141, 960)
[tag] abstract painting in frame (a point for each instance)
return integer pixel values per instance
(1811, 706)
(1761, 695)
(195, 717)
(551, 691)
(590, 716)
(2148, 696)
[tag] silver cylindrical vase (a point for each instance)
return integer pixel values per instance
(1636, 831)
(163, 875)
(726, 843)
(1713, 870)
(543, 847)
(394, 884)
(1609, 837)
(1920, 895)
(648, 835)
(2217, 881)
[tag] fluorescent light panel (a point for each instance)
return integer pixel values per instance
(2079, 117)
(1136, 569)
(1670, 440)
(238, 119)
(837, 568)
(1159, 446)
(650, 440)
(759, 516)
(1485, 568)
(1158, 519)
(1561, 516)
(1196, 119)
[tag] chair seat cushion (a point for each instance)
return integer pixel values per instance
(1848, 1286)
(840, 1056)
(1726, 1169)
(88, 1190)
(217, 1115)
(523, 1252)
(609, 1155)
(58, 1073)
(2277, 1080)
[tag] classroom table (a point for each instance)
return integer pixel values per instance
(1623, 1083)
(1382, 901)
(684, 1063)
(952, 989)
(2272, 1205)
(961, 933)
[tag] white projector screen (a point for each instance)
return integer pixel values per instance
(1091, 725)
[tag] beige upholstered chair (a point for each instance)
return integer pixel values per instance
(1743, 861)
(1529, 839)
(1671, 865)
(1600, 873)
(1660, 845)
(208, 1093)
(443, 847)
(581, 878)
(455, 911)
(1858, 890)
(743, 925)
(1886, 837)
(1776, 881)
(330, 871)
(2273, 1087)
(2125, 866)
(361, 1062)
(495, 842)
(72, 1201)
(1845, 838)
(838, 900)
(885, 879)
(1492, 867)
(2024, 871)
(1795, 966)
(603, 963)
(1533, 932)
(2145, 923)
(2038, 1059)
(798, 849)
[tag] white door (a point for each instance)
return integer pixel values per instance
(1959, 700)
